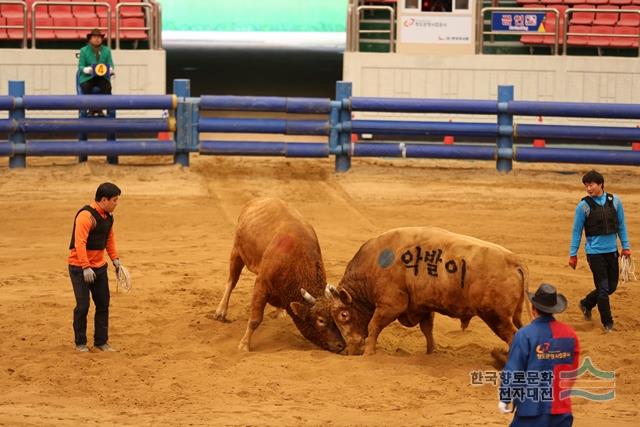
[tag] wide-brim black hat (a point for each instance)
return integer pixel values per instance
(95, 32)
(547, 299)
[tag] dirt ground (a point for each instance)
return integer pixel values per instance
(176, 365)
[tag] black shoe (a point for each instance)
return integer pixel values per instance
(608, 328)
(586, 312)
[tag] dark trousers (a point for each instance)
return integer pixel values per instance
(605, 278)
(101, 83)
(545, 420)
(100, 293)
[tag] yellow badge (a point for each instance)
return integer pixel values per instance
(101, 70)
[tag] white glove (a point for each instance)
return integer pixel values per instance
(112, 71)
(87, 70)
(502, 407)
(116, 264)
(89, 275)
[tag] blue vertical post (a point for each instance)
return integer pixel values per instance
(17, 139)
(112, 160)
(505, 130)
(343, 95)
(182, 89)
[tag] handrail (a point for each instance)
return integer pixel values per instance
(392, 22)
(480, 23)
(574, 10)
(147, 28)
(34, 8)
(24, 20)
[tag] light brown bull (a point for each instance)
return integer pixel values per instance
(275, 242)
(410, 273)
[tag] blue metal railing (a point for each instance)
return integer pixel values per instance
(338, 125)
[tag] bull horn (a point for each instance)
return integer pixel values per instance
(327, 291)
(307, 296)
(333, 291)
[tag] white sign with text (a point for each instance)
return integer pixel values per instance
(437, 29)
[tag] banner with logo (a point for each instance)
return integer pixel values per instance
(517, 21)
(437, 29)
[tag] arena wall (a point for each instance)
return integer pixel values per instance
(542, 78)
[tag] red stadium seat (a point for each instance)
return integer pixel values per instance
(578, 40)
(630, 19)
(3, 31)
(11, 10)
(60, 11)
(625, 41)
(572, 3)
(128, 29)
(15, 33)
(527, 1)
(83, 11)
(86, 24)
(131, 11)
(600, 40)
(619, 2)
(102, 11)
(550, 27)
(582, 18)
(533, 38)
(551, 17)
(546, 2)
(606, 18)
(44, 34)
(66, 34)
(103, 24)
(595, 2)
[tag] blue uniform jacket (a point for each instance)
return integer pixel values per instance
(531, 378)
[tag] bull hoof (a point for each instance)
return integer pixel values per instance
(220, 316)
(430, 350)
(369, 352)
(243, 346)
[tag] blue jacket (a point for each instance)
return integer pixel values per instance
(598, 244)
(531, 379)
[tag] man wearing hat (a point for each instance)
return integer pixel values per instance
(533, 380)
(90, 55)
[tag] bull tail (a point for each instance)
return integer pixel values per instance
(523, 303)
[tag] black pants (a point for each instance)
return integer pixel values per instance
(101, 83)
(100, 293)
(605, 277)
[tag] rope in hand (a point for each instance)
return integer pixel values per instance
(627, 270)
(123, 278)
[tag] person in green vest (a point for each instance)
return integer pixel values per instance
(96, 66)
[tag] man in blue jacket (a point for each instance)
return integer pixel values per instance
(601, 216)
(540, 371)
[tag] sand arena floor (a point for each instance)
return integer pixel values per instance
(177, 366)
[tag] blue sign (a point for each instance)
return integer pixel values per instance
(517, 21)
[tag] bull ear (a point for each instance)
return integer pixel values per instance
(299, 309)
(345, 296)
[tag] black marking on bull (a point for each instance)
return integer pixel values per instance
(464, 272)
(386, 258)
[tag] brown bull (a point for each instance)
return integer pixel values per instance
(410, 273)
(276, 243)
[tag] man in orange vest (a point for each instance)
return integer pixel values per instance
(92, 234)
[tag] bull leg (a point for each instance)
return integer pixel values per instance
(258, 304)
(517, 315)
(235, 268)
(503, 327)
(382, 317)
(426, 326)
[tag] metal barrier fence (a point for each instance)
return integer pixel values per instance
(187, 123)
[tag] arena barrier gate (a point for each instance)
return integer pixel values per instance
(185, 120)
